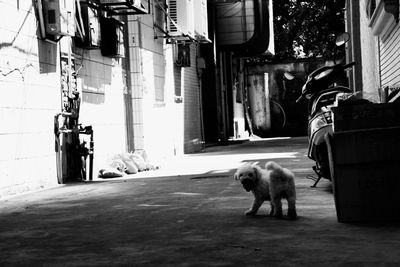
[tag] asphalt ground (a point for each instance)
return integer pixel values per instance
(190, 212)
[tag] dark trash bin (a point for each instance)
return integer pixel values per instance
(365, 173)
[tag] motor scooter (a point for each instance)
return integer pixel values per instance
(321, 89)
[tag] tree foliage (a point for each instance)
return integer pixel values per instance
(306, 29)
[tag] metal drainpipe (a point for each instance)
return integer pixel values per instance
(259, 42)
(128, 93)
(354, 25)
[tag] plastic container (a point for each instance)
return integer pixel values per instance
(365, 116)
(365, 169)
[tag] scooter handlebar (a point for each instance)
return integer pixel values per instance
(322, 69)
(349, 65)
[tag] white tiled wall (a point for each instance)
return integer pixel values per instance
(30, 96)
(103, 107)
(152, 92)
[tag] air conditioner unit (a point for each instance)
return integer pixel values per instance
(201, 20)
(59, 16)
(125, 7)
(135, 3)
(181, 19)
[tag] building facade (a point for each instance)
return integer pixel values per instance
(142, 95)
(375, 34)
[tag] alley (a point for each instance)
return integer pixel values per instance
(189, 213)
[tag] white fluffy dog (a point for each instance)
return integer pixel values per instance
(273, 183)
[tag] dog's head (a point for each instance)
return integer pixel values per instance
(248, 176)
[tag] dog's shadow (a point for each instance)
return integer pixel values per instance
(264, 216)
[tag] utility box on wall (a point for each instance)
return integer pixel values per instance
(90, 36)
(182, 55)
(112, 41)
(59, 17)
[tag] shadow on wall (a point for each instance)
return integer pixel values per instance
(47, 52)
(47, 57)
(95, 72)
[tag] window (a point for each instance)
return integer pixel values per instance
(384, 15)
(160, 15)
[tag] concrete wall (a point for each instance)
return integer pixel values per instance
(280, 115)
(102, 84)
(156, 116)
(239, 121)
(163, 127)
(369, 58)
(30, 96)
(172, 127)
(193, 137)
(380, 59)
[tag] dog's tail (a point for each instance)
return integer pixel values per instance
(271, 165)
(277, 171)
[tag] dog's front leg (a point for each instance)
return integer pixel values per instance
(257, 202)
(277, 207)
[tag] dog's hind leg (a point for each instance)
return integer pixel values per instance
(292, 214)
(277, 204)
(271, 212)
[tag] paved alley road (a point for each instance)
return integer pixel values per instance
(189, 213)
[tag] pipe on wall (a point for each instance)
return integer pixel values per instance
(259, 42)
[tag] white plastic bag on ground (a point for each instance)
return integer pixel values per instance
(131, 167)
(139, 161)
(118, 164)
(110, 173)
